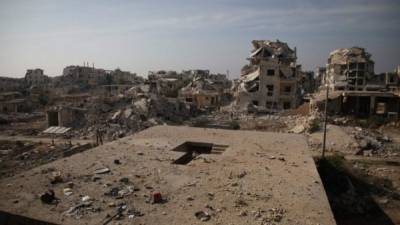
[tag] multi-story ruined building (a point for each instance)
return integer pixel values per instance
(8, 84)
(210, 91)
(84, 75)
(81, 78)
(320, 76)
(271, 82)
(36, 77)
(167, 83)
(349, 69)
(392, 81)
(356, 89)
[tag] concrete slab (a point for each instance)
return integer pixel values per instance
(261, 178)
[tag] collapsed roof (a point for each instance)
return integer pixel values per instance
(199, 85)
(273, 49)
(346, 55)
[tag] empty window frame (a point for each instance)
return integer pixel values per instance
(270, 72)
(270, 90)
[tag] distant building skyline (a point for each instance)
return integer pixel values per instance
(141, 36)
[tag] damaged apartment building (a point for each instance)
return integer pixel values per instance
(82, 78)
(198, 89)
(356, 89)
(271, 82)
(206, 90)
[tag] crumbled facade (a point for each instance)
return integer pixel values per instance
(8, 84)
(349, 69)
(201, 93)
(12, 102)
(36, 77)
(271, 82)
(65, 116)
(392, 81)
(85, 77)
(308, 82)
(167, 83)
(356, 89)
(206, 90)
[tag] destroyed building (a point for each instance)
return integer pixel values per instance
(167, 83)
(201, 93)
(8, 84)
(65, 116)
(392, 81)
(36, 77)
(349, 69)
(356, 89)
(320, 76)
(205, 90)
(271, 82)
(308, 82)
(82, 78)
(13, 102)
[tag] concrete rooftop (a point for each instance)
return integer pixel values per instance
(261, 176)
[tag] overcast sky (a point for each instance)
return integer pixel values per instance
(139, 36)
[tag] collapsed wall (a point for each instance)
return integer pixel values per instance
(271, 81)
(349, 69)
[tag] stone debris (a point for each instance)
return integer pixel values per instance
(48, 197)
(50, 118)
(202, 216)
(67, 191)
(102, 171)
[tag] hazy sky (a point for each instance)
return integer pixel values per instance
(148, 35)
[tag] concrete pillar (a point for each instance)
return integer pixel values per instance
(372, 105)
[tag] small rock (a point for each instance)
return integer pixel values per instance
(67, 191)
(70, 184)
(48, 197)
(86, 199)
(202, 216)
(243, 213)
(96, 178)
(124, 180)
(56, 178)
(102, 171)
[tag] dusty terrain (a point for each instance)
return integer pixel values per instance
(260, 178)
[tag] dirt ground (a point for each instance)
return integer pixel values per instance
(18, 154)
(379, 173)
(249, 178)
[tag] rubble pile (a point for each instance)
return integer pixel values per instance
(371, 143)
(17, 156)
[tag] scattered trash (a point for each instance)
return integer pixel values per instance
(87, 199)
(67, 191)
(48, 197)
(156, 198)
(202, 216)
(102, 171)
